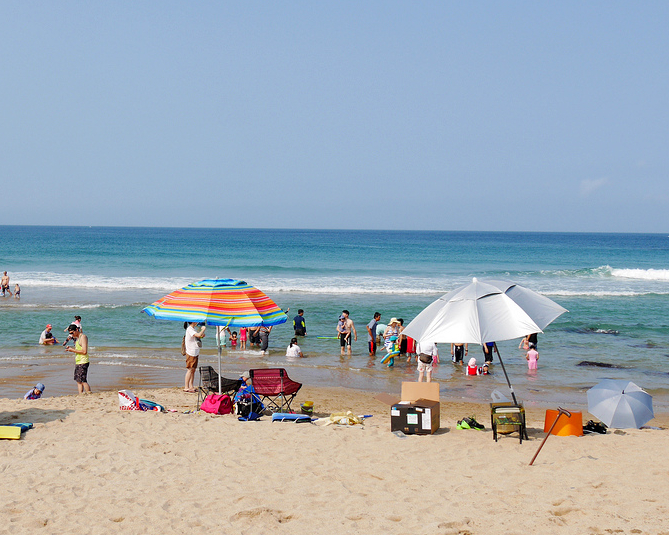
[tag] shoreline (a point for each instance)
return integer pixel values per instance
(58, 378)
(86, 463)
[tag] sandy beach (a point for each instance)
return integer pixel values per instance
(88, 467)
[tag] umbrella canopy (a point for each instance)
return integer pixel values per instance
(484, 311)
(620, 404)
(220, 302)
(224, 302)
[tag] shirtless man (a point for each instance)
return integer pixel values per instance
(349, 328)
(4, 284)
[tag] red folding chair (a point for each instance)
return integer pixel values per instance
(276, 388)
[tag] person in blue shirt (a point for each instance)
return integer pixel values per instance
(35, 392)
(299, 324)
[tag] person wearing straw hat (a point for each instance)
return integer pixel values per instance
(393, 329)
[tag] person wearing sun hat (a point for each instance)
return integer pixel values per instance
(47, 338)
(35, 392)
(393, 329)
(472, 368)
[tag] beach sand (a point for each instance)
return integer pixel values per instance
(88, 467)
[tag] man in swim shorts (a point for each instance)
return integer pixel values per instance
(4, 285)
(458, 353)
(349, 328)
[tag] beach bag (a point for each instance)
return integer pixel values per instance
(183, 346)
(425, 359)
(217, 404)
(127, 401)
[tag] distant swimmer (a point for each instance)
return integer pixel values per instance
(4, 285)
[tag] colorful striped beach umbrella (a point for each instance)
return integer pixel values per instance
(222, 302)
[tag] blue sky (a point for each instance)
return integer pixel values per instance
(391, 115)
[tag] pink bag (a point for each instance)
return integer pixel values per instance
(217, 404)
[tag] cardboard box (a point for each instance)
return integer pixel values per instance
(417, 410)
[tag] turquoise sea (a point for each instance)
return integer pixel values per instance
(615, 286)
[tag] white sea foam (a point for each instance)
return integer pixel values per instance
(642, 274)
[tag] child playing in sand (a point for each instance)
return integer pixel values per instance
(35, 392)
(532, 357)
(233, 339)
(242, 337)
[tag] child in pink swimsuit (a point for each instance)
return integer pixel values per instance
(532, 357)
(242, 338)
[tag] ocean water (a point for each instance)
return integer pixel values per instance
(615, 286)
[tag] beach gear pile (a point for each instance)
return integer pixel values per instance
(345, 418)
(469, 423)
(127, 401)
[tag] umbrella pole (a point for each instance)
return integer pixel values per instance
(513, 394)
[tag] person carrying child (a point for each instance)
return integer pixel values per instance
(77, 324)
(35, 392)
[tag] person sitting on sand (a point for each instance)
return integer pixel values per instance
(532, 357)
(293, 351)
(35, 392)
(472, 368)
(47, 338)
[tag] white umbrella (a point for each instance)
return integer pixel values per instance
(620, 404)
(484, 311)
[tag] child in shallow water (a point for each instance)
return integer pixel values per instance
(233, 339)
(532, 357)
(242, 337)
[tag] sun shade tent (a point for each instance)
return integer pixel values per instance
(484, 311)
(221, 302)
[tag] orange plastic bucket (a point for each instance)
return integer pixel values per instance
(566, 425)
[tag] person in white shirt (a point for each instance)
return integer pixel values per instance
(293, 351)
(427, 353)
(193, 342)
(47, 338)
